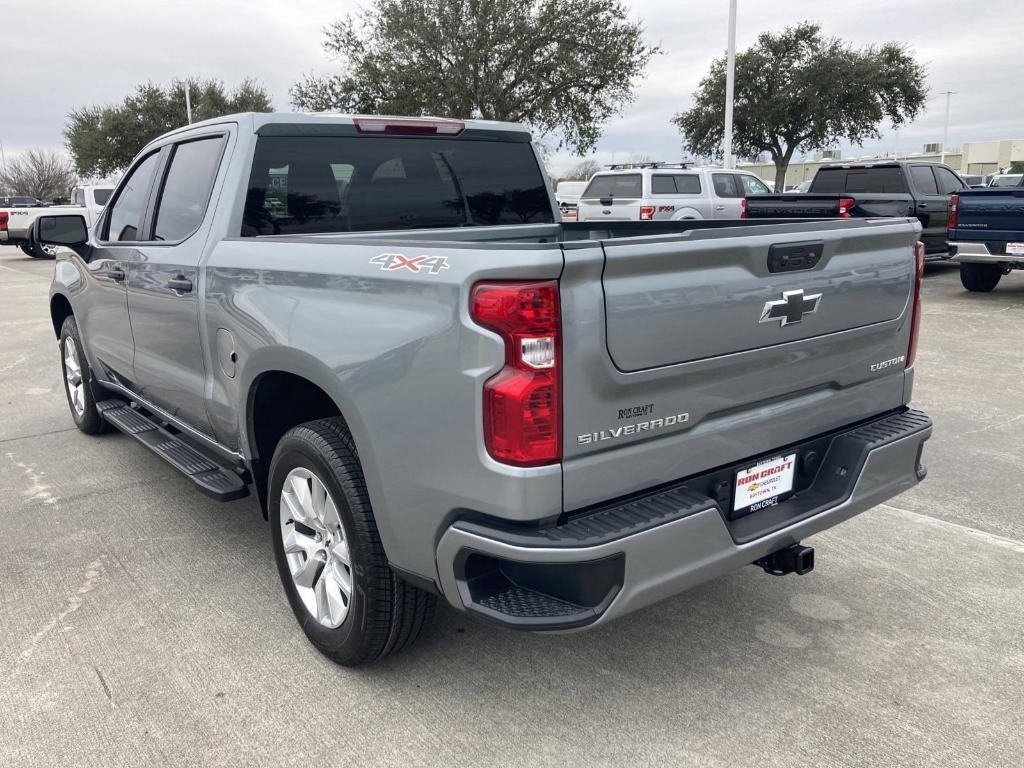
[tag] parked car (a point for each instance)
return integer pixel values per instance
(885, 189)
(1005, 180)
(567, 195)
(986, 232)
(20, 201)
(435, 387)
(662, 192)
(16, 222)
(800, 188)
(975, 181)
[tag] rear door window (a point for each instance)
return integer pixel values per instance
(126, 216)
(358, 184)
(101, 196)
(675, 184)
(620, 185)
(187, 187)
(924, 180)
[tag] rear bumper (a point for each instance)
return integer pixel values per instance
(979, 253)
(622, 557)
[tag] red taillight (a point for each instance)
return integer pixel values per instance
(915, 317)
(646, 213)
(4, 215)
(743, 208)
(954, 203)
(523, 401)
(846, 207)
(409, 126)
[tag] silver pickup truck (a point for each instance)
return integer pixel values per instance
(435, 388)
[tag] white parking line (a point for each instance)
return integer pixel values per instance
(987, 538)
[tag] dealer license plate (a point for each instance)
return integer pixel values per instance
(763, 484)
(1015, 249)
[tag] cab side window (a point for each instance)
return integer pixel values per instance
(948, 182)
(752, 186)
(725, 185)
(187, 188)
(125, 222)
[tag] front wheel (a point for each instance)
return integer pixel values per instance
(348, 601)
(980, 277)
(78, 380)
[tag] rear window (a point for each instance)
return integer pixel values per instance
(364, 183)
(614, 185)
(870, 180)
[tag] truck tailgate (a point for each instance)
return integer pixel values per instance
(719, 345)
(990, 214)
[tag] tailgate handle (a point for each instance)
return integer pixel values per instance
(790, 257)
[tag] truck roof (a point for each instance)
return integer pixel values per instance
(260, 122)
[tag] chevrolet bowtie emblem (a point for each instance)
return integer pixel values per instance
(791, 308)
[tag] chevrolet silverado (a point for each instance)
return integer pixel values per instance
(435, 388)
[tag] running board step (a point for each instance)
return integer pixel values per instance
(214, 480)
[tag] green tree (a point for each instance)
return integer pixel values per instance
(562, 66)
(102, 140)
(800, 90)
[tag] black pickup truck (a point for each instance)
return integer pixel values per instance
(986, 234)
(872, 190)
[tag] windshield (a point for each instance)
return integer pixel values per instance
(614, 185)
(358, 184)
(1012, 180)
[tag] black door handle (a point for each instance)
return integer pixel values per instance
(922, 205)
(180, 283)
(115, 273)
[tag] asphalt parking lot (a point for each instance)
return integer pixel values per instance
(143, 624)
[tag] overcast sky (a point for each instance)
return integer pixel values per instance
(61, 54)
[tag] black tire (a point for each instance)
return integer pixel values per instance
(980, 278)
(385, 614)
(89, 420)
(33, 250)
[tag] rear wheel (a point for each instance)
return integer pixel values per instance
(348, 601)
(980, 277)
(37, 251)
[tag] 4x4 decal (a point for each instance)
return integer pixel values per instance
(391, 262)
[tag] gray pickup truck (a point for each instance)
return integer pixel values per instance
(436, 388)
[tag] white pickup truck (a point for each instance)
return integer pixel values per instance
(666, 192)
(16, 223)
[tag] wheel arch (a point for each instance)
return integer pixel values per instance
(284, 392)
(687, 213)
(60, 310)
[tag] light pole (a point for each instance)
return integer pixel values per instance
(188, 102)
(730, 85)
(945, 129)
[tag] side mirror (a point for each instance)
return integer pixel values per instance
(70, 230)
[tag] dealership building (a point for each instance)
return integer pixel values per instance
(975, 157)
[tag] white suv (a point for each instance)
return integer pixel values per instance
(660, 192)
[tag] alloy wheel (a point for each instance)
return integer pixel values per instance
(315, 547)
(73, 376)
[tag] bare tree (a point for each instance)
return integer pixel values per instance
(40, 173)
(584, 169)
